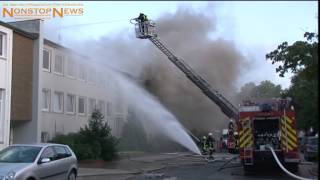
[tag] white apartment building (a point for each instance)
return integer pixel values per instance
(5, 83)
(54, 89)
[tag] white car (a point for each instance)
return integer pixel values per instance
(38, 161)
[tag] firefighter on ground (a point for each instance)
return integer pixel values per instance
(210, 144)
(142, 18)
(204, 145)
(231, 130)
(231, 125)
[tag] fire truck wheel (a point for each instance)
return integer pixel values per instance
(248, 168)
(292, 167)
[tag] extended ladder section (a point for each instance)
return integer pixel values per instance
(146, 30)
(226, 107)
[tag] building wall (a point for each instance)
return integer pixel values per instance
(5, 84)
(25, 130)
(22, 78)
(31, 122)
(54, 123)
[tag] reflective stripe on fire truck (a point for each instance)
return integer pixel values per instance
(288, 134)
(245, 135)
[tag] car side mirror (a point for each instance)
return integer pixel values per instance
(44, 160)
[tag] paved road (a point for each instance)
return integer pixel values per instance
(210, 172)
(182, 166)
(213, 171)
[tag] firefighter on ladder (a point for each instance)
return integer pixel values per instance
(142, 20)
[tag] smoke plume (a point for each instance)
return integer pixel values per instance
(186, 34)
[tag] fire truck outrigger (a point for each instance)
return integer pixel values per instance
(260, 124)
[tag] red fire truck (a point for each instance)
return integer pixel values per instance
(272, 122)
(265, 122)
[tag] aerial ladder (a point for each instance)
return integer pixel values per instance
(146, 29)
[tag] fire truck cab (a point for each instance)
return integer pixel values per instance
(272, 122)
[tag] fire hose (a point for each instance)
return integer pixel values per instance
(282, 167)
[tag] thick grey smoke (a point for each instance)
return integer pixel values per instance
(186, 34)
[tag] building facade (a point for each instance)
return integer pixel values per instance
(72, 87)
(5, 83)
(53, 90)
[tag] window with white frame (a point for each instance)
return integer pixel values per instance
(1, 113)
(2, 44)
(45, 99)
(100, 79)
(92, 75)
(92, 105)
(119, 105)
(71, 67)
(58, 64)
(71, 103)
(82, 72)
(81, 105)
(1, 102)
(102, 107)
(109, 108)
(46, 60)
(58, 102)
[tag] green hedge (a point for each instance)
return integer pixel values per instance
(94, 141)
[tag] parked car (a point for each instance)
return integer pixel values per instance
(38, 161)
(311, 148)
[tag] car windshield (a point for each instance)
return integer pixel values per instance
(19, 154)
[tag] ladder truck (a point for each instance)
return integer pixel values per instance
(268, 122)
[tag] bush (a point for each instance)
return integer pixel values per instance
(94, 141)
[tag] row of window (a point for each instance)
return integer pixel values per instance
(84, 73)
(72, 104)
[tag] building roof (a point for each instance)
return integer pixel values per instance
(58, 46)
(20, 31)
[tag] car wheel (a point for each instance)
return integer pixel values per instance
(72, 175)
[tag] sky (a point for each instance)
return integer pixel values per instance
(256, 28)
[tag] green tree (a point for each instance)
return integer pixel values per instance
(94, 141)
(301, 58)
(266, 89)
(97, 134)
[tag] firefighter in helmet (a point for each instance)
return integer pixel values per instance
(231, 128)
(142, 17)
(142, 20)
(231, 125)
(211, 145)
(204, 145)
